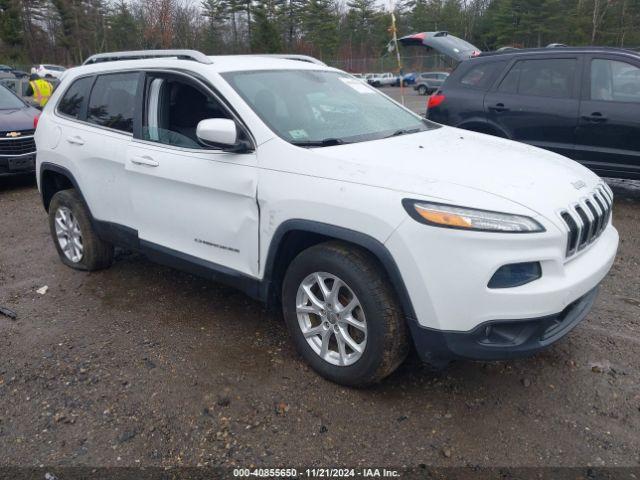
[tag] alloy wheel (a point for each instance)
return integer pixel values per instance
(331, 319)
(69, 234)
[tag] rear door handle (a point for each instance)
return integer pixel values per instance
(595, 117)
(499, 107)
(146, 161)
(75, 140)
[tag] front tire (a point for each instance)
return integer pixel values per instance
(422, 90)
(343, 315)
(76, 241)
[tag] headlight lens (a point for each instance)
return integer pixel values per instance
(450, 216)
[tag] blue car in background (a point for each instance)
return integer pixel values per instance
(409, 78)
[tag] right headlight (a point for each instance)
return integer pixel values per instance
(463, 218)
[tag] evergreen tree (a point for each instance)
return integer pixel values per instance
(361, 22)
(123, 29)
(265, 34)
(320, 26)
(11, 27)
(217, 13)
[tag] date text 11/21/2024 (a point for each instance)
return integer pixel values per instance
(317, 472)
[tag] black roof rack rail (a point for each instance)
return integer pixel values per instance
(193, 55)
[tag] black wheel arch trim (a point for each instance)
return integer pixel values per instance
(52, 167)
(377, 248)
(120, 235)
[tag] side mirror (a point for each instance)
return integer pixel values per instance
(218, 131)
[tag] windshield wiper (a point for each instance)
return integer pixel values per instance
(327, 142)
(404, 131)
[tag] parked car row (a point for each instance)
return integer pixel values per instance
(47, 71)
(425, 82)
(7, 71)
(381, 79)
(429, 82)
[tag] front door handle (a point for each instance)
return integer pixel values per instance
(75, 140)
(595, 117)
(499, 107)
(146, 161)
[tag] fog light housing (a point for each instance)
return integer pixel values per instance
(516, 275)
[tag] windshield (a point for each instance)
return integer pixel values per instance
(8, 101)
(322, 108)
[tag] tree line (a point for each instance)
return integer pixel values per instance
(68, 31)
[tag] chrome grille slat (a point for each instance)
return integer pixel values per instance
(597, 218)
(604, 194)
(603, 211)
(586, 220)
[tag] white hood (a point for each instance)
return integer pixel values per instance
(432, 162)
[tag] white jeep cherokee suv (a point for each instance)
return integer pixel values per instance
(297, 183)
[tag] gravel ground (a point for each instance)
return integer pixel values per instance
(409, 97)
(144, 365)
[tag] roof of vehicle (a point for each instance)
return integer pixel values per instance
(512, 52)
(183, 59)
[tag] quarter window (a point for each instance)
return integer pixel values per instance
(71, 102)
(542, 78)
(614, 81)
(112, 101)
(481, 75)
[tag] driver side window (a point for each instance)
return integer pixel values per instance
(173, 110)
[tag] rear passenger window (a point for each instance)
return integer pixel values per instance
(481, 75)
(71, 101)
(541, 78)
(112, 101)
(614, 81)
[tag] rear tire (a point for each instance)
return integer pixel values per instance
(422, 90)
(76, 241)
(356, 310)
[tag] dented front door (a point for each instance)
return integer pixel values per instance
(196, 203)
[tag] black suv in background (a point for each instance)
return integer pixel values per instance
(580, 102)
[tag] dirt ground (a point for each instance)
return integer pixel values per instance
(408, 97)
(144, 365)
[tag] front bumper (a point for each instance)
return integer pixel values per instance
(502, 339)
(446, 273)
(14, 165)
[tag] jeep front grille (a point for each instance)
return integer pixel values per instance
(587, 219)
